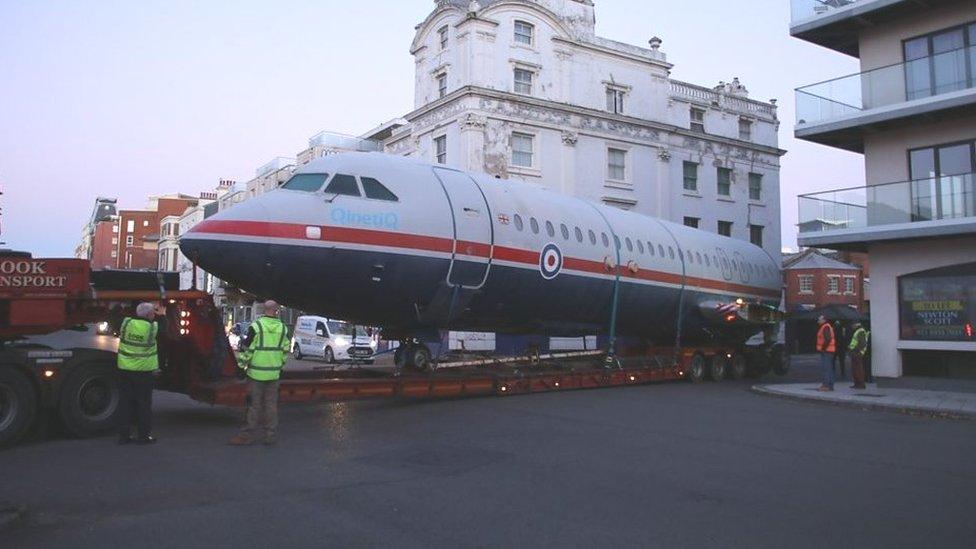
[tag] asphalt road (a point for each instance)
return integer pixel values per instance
(672, 465)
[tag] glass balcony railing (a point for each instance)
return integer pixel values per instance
(948, 197)
(805, 9)
(916, 79)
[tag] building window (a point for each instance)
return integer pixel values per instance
(129, 240)
(523, 81)
(440, 149)
(756, 235)
(615, 100)
(697, 120)
(725, 228)
(833, 284)
(441, 85)
(524, 33)
(692, 222)
(115, 253)
(850, 285)
(145, 222)
(940, 62)
(115, 228)
(130, 226)
(941, 177)
(755, 186)
(938, 305)
(115, 241)
(745, 129)
(616, 165)
(691, 176)
(724, 182)
(443, 31)
(522, 150)
(806, 284)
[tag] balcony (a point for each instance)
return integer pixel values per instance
(847, 218)
(837, 24)
(838, 112)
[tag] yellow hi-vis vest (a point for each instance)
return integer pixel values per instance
(265, 356)
(137, 345)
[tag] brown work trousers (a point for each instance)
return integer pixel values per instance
(262, 409)
(857, 369)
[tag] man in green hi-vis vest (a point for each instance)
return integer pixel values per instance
(138, 362)
(266, 347)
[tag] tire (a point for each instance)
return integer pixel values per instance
(419, 357)
(738, 367)
(89, 400)
(716, 367)
(297, 352)
(329, 356)
(696, 368)
(18, 405)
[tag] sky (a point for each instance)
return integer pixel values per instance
(131, 99)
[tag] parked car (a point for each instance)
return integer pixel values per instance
(332, 340)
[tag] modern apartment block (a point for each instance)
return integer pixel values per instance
(911, 110)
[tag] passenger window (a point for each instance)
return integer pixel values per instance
(534, 224)
(550, 230)
(320, 329)
(650, 248)
(565, 231)
(344, 185)
(660, 250)
(606, 241)
(519, 225)
(306, 182)
(698, 257)
(630, 244)
(375, 190)
(579, 235)
(592, 237)
(616, 241)
(671, 252)
(640, 247)
(708, 262)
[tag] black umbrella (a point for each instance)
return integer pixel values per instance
(832, 312)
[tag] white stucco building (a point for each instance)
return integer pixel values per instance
(526, 89)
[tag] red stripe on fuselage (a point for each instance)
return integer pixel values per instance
(445, 245)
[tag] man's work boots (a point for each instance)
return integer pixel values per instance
(240, 440)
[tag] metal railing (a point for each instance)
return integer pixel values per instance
(947, 197)
(806, 9)
(899, 83)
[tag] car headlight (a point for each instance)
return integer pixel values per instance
(103, 327)
(341, 341)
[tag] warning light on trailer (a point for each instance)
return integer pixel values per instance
(969, 330)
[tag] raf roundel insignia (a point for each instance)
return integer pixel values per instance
(550, 261)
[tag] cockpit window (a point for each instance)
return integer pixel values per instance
(310, 182)
(374, 189)
(343, 184)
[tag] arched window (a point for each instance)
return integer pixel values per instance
(518, 223)
(534, 224)
(563, 229)
(550, 230)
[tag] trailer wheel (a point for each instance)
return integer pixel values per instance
(716, 367)
(89, 402)
(739, 367)
(18, 406)
(696, 368)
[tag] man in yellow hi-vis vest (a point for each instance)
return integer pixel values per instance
(138, 362)
(266, 347)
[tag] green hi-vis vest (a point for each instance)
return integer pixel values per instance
(265, 356)
(860, 341)
(137, 345)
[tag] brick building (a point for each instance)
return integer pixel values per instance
(814, 280)
(138, 242)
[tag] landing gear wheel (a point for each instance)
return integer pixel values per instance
(738, 367)
(419, 357)
(18, 406)
(696, 368)
(716, 367)
(297, 351)
(90, 400)
(329, 356)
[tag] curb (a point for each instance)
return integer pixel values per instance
(907, 410)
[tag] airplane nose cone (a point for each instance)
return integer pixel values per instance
(231, 245)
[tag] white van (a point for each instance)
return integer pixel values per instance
(332, 340)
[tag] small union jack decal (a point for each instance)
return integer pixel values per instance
(503, 219)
